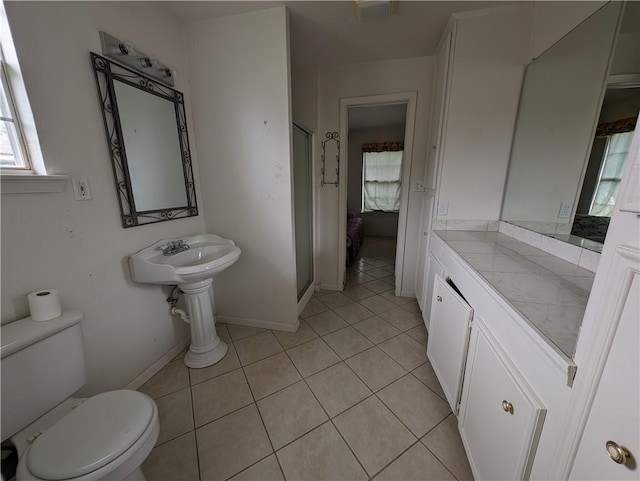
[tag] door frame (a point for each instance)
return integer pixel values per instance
(410, 99)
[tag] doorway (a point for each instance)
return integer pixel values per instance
(376, 151)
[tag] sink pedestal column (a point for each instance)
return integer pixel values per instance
(206, 347)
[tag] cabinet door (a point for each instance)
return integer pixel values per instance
(448, 339)
(501, 417)
(434, 268)
(423, 251)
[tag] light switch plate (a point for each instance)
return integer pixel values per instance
(565, 210)
(417, 186)
(81, 188)
(443, 208)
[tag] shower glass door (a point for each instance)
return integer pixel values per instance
(303, 208)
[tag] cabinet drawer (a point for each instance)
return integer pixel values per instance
(448, 339)
(501, 417)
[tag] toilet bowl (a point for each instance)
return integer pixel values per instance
(107, 436)
(57, 436)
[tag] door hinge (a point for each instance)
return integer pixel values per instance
(571, 374)
(458, 408)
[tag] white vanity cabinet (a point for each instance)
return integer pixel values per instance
(501, 417)
(434, 269)
(484, 352)
(448, 339)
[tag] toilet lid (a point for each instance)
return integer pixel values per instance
(91, 436)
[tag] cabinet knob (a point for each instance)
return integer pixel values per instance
(507, 407)
(617, 453)
(439, 298)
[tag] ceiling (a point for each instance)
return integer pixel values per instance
(327, 32)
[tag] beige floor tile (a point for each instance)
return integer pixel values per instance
(256, 347)
(353, 312)
(390, 280)
(377, 272)
(419, 333)
(347, 342)
(405, 351)
(375, 368)
(270, 375)
(417, 464)
(314, 306)
(417, 406)
(240, 332)
(377, 286)
(312, 357)
(377, 304)
(444, 441)
(376, 329)
(326, 322)
(290, 413)
(321, 293)
(220, 396)
(292, 339)
(320, 455)
(373, 433)
(358, 292)
(426, 374)
(223, 332)
(229, 445)
(335, 299)
(397, 300)
(227, 364)
(379, 262)
(175, 415)
(401, 318)
(266, 470)
(171, 378)
(176, 460)
(413, 306)
(358, 279)
(338, 388)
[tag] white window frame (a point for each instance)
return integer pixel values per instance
(16, 137)
(363, 208)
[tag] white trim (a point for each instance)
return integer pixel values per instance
(306, 297)
(32, 183)
(410, 99)
(329, 287)
(243, 321)
(148, 373)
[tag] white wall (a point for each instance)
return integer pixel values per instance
(80, 248)
(239, 75)
(364, 79)
(304, 97)
(488, 64)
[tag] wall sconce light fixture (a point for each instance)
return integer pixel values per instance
(127, 54)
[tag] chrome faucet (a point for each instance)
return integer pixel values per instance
(174, 247)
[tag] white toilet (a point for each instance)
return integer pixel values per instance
(107, 436)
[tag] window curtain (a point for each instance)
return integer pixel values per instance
(604, 199)
(381, 176)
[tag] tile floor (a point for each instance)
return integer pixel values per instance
(351, 395)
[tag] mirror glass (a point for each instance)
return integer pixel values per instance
(147, 136)
(561, 107)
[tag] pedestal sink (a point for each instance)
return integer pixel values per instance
(191, 263)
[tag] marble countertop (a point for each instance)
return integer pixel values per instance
(550, 293)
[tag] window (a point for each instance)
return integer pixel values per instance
(381, 176)
(604, 198)
(13, 154)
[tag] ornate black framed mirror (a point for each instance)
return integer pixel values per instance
(146, 128)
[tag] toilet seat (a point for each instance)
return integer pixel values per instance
(94, 439)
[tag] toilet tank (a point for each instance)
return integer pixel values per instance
(42, 364)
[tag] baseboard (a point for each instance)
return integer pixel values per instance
(156, 366)
(329, 287)
(242, 321)
(408, 294)
(305, 299)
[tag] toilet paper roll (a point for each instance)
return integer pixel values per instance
(44, 305)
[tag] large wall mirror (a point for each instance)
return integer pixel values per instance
(578, 109)
(146, 129)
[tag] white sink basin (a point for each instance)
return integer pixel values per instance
(208, 254)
